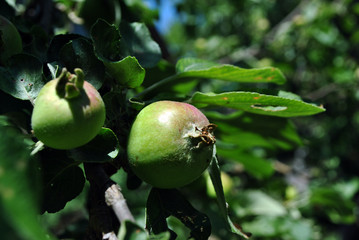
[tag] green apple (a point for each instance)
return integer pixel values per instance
(69, 112)
(170, 144)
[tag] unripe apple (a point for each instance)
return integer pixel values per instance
(170, 144)
(68, 112)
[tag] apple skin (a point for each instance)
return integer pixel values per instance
(164, 147)
(63, 123)
(10, 40)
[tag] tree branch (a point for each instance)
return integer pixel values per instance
(117, 202)
(105, 194)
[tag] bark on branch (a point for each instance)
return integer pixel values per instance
(106, 203)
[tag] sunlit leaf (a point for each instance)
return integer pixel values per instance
(257, 103)
(127, 72)
(192, 67)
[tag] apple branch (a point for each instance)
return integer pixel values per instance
(112, 196)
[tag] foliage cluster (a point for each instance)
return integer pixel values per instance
(314, 44)
(282, 174)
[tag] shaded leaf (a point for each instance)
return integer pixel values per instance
(161, 236)
(156, 214)
(23, 77)
(57, 42)
(17, 196)
(125, 69)
(39, 43)
(246, 130)
(240, 134)
(144, 12)
(63, 180)
(254, 165)
(131, 231)
(91, 11)
(326, 199)
(137, 42)
(215, 175)
(257, 103)
(255, 202)
(78, 53)
(269, 226)
(192, 67)
(165, 202)
(106, 40)
(104, 147)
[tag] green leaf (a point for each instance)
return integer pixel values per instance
(57, 42)
(257, 103)
(125, 69)
(156, 214)
(215, 174)
(273, 227)
(23, 77)
(54, 69)
(254, 165)
(63, 180)
(104, 147)
(165, 202)
(17, 195)
(246, 130)
(137, 42)
(131, 231)
(144, 13)
(245, 138)
(106, 41)
(127, 72)
(39, 43)
(161, 236)
(255, 202)
(192, 67)
(326, 199)
(91, 10)
(78, 53)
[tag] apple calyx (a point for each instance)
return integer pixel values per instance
(205, 135)
(70, 85)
